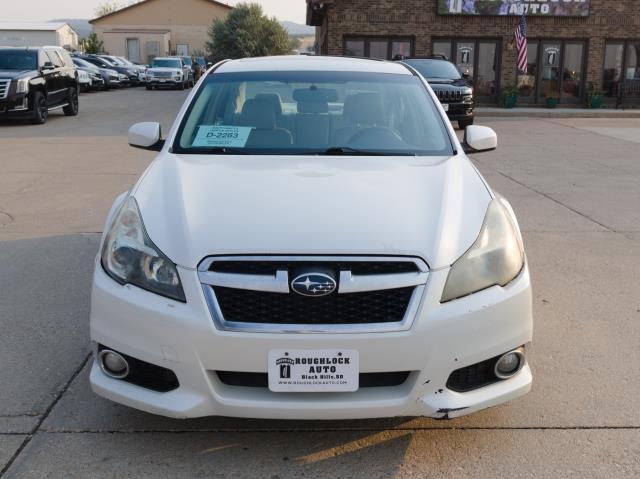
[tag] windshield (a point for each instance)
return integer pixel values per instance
(83, 64)
(313, 112)
(109, 61)
(435, 69)
(18, 60)
(166, 63)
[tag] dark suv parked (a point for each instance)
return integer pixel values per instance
(452, 88)
(34, 81)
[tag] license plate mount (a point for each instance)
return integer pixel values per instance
(313, 370)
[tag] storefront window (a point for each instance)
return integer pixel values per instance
(354, 48)
(527, 81)
(478, 60)
(442, 48)
(632, 68)
(400, 48)
(613, 56)
(378, 47)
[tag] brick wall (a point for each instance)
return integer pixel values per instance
(609, 20)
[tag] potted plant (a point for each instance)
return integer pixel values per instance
(595, 97)
(552, 97)
(509, 96)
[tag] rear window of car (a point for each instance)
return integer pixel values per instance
(310, 112)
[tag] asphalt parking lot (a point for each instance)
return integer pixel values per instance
(575, 185)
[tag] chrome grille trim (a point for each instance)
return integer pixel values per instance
(280, 284)
(4, 88)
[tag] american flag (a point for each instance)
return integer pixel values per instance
(521, 43)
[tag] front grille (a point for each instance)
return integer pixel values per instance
(244, 306)
(261, 380)
(162, 74)
(448, 95)
(4, 88)
(356, 267)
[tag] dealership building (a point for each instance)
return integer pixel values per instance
(571, 43)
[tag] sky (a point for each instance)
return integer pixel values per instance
(41, 10)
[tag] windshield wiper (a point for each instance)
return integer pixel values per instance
(221, 150)
(348, 151)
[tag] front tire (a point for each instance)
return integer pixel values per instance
(149, 87)
(74, 105)
(40, 109)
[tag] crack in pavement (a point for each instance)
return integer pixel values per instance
(316, 430)
(44, 416)
(558, 202)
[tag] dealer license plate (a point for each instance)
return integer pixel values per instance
(315, 370)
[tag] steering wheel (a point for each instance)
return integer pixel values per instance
(377, 137)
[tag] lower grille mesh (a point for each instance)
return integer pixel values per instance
(244, 306)
(261, 380)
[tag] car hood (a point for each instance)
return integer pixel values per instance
(444, 81)
(15, 74)
(196, 206)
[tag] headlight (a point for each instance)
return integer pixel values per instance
(22, 86)
(496, 257)
(129, 256)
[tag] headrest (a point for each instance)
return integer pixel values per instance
(258, 113)
(364, 109)
(272, 98)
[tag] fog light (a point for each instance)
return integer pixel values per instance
(509, 364)
(113, 364)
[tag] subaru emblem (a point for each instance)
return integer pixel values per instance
(313, 284)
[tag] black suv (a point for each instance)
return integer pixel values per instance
(34, 81)
(452, 88)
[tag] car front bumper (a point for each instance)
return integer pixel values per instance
(15, 105)
(183, 338)
(164, 82)
(460, 111)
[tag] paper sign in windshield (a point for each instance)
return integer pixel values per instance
(222, 136)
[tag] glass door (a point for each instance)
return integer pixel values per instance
(549, 84)
(571, 90)
(465, 57)
(485, 82)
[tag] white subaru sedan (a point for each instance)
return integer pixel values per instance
(311, 242)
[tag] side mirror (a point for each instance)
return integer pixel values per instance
(209, 64)
(147, 135)
(48, 66)
(479, 138)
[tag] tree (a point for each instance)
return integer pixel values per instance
(107, 7)
(110, 6)
(92, 44)
(247, 32)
